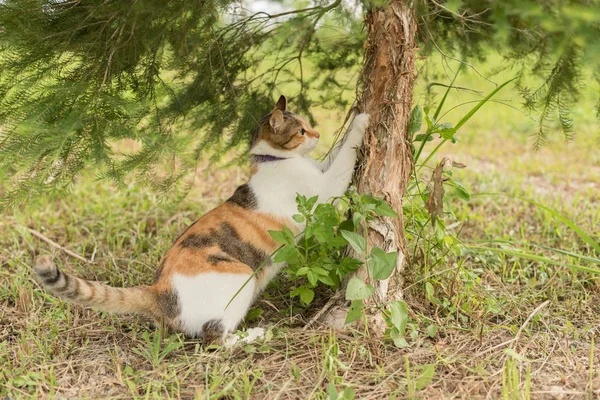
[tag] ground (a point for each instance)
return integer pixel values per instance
(483, 325)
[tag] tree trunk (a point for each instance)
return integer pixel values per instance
(387, 84)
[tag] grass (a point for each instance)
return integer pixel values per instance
(485, 325)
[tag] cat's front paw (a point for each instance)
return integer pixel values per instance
(361, 122)
(358, 129)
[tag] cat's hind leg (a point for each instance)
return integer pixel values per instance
(212, 304)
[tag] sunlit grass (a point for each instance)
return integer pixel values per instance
(517, 326)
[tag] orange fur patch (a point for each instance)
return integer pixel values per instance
(251, 227)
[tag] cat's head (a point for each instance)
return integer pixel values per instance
(283, 134)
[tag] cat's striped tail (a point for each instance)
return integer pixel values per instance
(139, 300)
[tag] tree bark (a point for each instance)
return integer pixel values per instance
(388, 78)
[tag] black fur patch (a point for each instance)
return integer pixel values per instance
(217, 258)
(244, 197)
(230, 242)
(212, 331)
(198, 241)
(50, 277)
(168, 303)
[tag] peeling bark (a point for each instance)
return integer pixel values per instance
(388, 79)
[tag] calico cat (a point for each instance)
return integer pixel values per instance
(209, 263)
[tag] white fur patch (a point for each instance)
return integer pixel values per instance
(204, 297)
(276, 183)
(252, 334)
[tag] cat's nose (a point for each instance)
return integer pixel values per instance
(317, 135)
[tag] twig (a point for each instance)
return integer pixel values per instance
(58, 246)
(267, 302)
(537, 309)
(326, 307)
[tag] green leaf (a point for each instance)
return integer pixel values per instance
(399, 316)
(461, 191)
(347, 225)
(337, 241)
(348, 394)
(354, 312)
(299, 218)
(306, 295)
(348, 265)
(447, 133)
(254, 314)
(515, 355)
(285, 253)
(357, 242)
(425, 377)
(357, 218)
(429, 120)
(382, 264)
(309, 231)
(385, 210)
(448, 87)
(323, 234)
(300, 199)
(326, 279)
(332, 391)
(450, 240)
(310, 203)
(312, 278)
(423, 136)
(399, 340)
(416, 117)
(358, 290)
(319, 271)
(432, 330)
(286, 236)
(429, 291)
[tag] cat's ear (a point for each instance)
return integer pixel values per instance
(281, 103)
(276, 120)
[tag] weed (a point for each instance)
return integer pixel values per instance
(154, 349)
(462, 303)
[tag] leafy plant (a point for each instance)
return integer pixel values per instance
(417, 378)
(155, 349)
(319, 257)
(511, 382)
(433, 238)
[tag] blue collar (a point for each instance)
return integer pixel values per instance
(262, 158)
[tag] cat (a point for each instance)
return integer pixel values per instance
(215, 256)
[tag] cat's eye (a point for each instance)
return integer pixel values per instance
(302, 131)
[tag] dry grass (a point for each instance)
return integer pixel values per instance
(532, 321)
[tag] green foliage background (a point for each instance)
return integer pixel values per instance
(189, 79)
